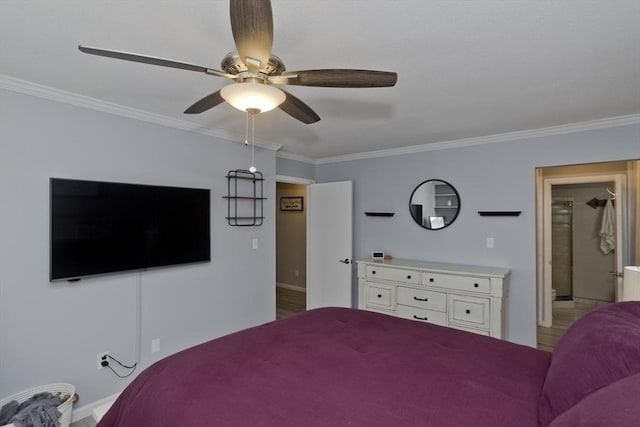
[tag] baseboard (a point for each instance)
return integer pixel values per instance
(590, 302)
(292, 287)
(86, 410)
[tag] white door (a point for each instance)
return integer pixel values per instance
(329, 244)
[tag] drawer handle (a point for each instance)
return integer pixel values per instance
(475, 285)
(468, 311)
(373, 272)
(409, 277)
(420, 318)
(379, 295)
(420, 299)
(431, 279)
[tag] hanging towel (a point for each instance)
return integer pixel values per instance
(608, 228)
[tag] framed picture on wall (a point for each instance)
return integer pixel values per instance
(291, 203)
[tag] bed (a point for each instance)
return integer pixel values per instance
(347, 367)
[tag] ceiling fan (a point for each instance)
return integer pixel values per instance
(254, 69)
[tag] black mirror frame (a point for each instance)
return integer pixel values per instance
(452, 219)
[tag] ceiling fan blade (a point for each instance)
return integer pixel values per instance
(126, 56)
(341, 78)
(205, 103)
(298, 109)
(252, 27)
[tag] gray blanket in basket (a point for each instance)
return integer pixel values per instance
(38, 411)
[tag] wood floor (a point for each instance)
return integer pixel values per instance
(289, 301)
(562, 319)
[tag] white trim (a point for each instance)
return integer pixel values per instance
(291, 287)
(87, 410)
(490, 139)
(294, 180)
(77, 100)
(296, 157)
(540, 270)
(34, 89)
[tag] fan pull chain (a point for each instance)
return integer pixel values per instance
(246, 129)
(253, 142)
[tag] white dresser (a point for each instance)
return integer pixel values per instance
(472, 298)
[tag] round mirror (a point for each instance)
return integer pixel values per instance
(434, 204)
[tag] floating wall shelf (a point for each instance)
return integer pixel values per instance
(387, 214)
(499, 213)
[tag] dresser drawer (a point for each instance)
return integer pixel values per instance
(475, 331)
(393, 274)
(422, 298)
(469, 311)
(380, 295)
(451, 281)
(414, 313)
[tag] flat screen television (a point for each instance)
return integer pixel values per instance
(106, 227)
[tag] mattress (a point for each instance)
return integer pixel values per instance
(337, 366)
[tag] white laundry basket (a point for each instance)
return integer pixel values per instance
(62, 388)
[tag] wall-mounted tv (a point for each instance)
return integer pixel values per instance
(105, 227)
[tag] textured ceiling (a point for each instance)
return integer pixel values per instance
(466, 69)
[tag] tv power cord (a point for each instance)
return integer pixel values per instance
(105, 364)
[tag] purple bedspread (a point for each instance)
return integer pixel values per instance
(336, 367)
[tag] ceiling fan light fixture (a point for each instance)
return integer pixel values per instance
(252, 96)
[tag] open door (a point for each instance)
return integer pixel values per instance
(329, 244)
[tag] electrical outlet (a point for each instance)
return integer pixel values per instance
(490, 243)
(155, 345)
(101, 358)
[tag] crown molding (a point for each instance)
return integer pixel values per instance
(46, 92)
(296, 157)
(77, 100)
(610, 122)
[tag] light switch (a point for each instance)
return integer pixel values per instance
(490, 242)
(255, 243)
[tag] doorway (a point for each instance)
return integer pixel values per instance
(579, 272)
(291, 244)
(327, 210)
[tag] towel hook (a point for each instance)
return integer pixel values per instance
(613, 195)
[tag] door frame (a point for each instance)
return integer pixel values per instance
(300, 181)
(294, 180)
(308, 183)
(543, 232)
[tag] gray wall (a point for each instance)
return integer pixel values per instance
(52, 332)
(295, 168)
(498, 176)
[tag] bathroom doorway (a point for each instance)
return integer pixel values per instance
(587, 188)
